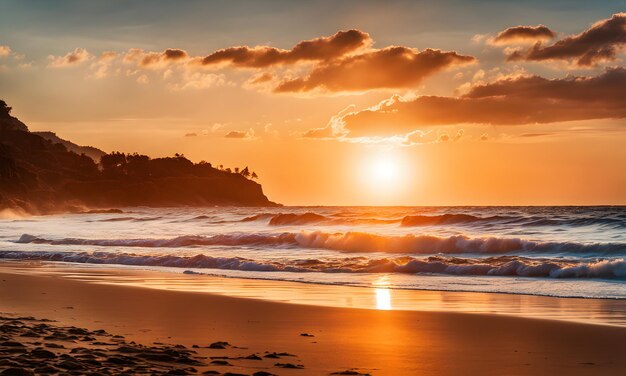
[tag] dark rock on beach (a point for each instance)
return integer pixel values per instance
(219, 345)
(289, 365)
(62, 355)
(109, 354)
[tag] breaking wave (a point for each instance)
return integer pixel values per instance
(495, 266)
(358, 242)
(310, 218)
(448, 219)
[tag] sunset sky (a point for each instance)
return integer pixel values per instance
(339, 103)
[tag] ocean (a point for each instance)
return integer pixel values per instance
(550, 251)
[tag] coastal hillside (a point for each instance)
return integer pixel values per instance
(90, 151)
(41, 173)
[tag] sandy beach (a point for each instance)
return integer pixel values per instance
(265, 188)
(322, 340)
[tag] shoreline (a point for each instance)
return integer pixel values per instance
(379, 296)
(378, 342)
(396, 288)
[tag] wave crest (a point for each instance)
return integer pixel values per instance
(459, 219)
(357, 242)
(447, 219)
(495, 266)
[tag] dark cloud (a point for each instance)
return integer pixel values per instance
(513, 101)
(601, 42)
(319, 49)
(162, 58)
(174, 54)
(523, 34)
(391, 67)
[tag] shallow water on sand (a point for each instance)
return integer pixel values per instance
(553, 251)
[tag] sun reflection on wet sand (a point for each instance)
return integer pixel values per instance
(383, 299)
(382, 293)
(379, 296)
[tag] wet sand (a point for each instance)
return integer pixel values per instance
(313, 340)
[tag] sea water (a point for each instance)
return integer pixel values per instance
(552, 251)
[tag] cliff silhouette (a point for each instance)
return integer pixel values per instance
(41, 173)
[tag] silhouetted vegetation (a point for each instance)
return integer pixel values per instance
(5, 110)
(38, 175)
(118, 164)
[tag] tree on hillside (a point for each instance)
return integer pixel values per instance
(113, 160)
(4, 108)
(254, 175)
(137, 165)
(245, 172)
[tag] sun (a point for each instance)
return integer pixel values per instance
(384, 169)
(384, 176)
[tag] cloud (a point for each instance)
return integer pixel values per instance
(334, 126)
(216, 127)
(5, 50)
(601, 42)
(143, 79)
(325, 132)
(260, 78)
(523, 34)
(268, 130)
(388, 68)
(240, 134)
(100, 68)
(191, 135)
(343, 62)
(155, 60)
(199, 80)
(107, 56)
(508, 101)
(458, 135)
(76, 57)
(319, 49)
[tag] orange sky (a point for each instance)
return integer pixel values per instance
(512, 115)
